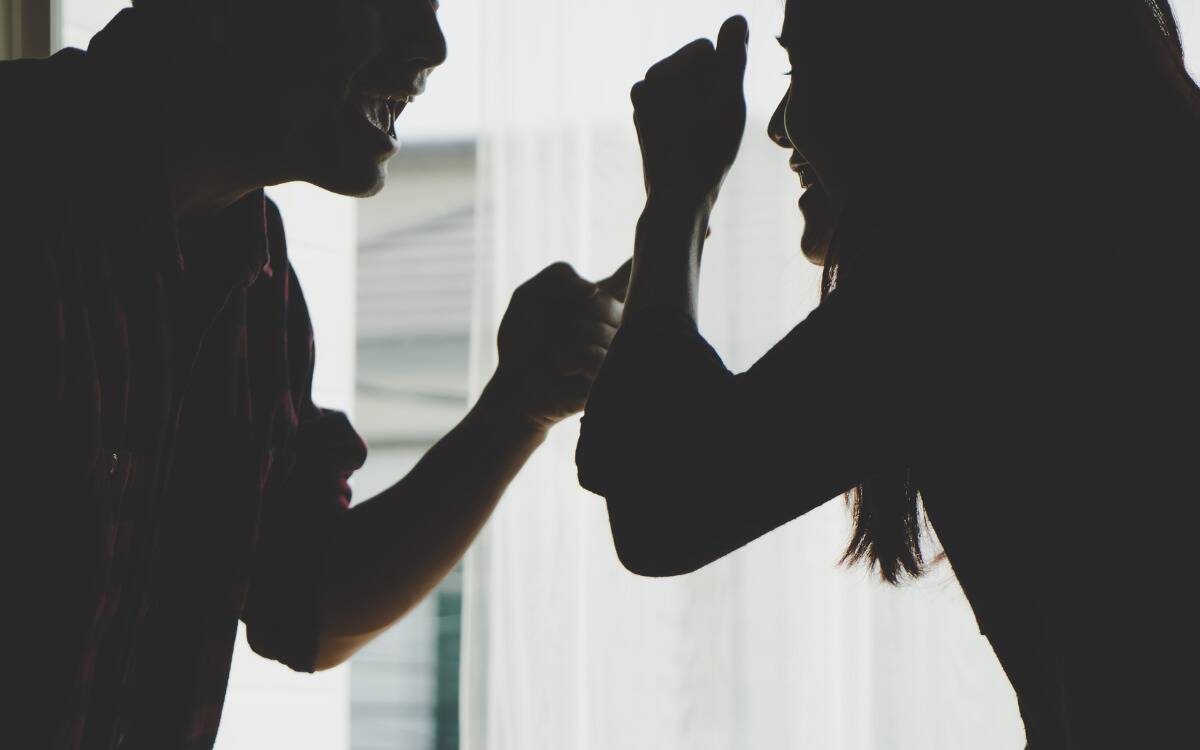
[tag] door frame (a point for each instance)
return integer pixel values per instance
(28, 28)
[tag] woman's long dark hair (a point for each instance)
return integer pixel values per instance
(886, 507)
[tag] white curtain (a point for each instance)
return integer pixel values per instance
(774, 646)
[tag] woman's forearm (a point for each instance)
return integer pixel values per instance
(666, 261)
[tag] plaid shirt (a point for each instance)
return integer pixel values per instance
(165, 467)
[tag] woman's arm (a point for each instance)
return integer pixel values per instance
(690, 113)
(666, 259)
(696, 461)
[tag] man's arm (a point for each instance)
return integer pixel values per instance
(388, 553)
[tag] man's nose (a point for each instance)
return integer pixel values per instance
(430, 48)
(429, 42)
(777, 129)
(415, 33)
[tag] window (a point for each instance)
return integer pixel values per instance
(416, 277)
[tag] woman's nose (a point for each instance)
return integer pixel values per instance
(777, 129)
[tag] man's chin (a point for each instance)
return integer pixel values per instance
(349, 156)
(362, 182)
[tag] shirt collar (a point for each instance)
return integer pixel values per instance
(127, 63)
(205, 244)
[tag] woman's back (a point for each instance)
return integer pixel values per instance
(1056, 380)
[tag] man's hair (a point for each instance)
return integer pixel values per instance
(156, 5)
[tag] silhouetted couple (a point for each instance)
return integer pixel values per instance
(1002, 196)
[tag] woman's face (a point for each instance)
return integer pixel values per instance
(806, 123)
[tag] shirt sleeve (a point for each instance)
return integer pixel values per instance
(687, 451)
(307, 491)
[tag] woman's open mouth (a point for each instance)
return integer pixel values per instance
(808, 177)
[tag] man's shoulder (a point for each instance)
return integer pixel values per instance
(43, 115)
(35, 70)
(28, 86)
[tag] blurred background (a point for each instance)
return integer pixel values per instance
(521, 154)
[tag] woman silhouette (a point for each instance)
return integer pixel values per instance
(1005, 204)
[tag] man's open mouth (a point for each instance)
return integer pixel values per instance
(382, 111)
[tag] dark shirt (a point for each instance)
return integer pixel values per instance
(167, 472)
(1045, 423)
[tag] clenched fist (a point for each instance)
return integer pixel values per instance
(554, 338)
(690, 112)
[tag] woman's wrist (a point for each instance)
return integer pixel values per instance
(671, 230)
(678, 218)
(667, 252)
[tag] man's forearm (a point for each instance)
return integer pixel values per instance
(388, 553)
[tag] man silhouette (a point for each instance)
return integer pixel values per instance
(166, 468)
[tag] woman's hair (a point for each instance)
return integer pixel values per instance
(1085, 76)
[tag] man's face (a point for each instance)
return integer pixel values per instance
(326, 79)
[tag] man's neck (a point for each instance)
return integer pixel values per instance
(215, 152)
(209, 163)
